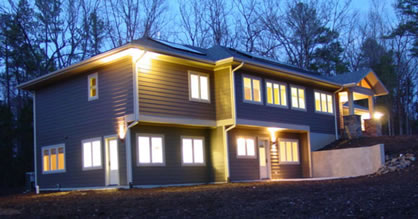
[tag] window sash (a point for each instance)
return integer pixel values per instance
(53, 159)
(252, 90)
(150, 150)
(324, 102)
(298, 97)
(93, 85)
(246, 147)
(276, 94)
(193, 151)
(289, 151)
(199, 87)
(92, 153)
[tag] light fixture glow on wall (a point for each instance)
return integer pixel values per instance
(273, 133)
(122, 130)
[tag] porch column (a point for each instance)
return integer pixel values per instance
(371, 106)
(350, 102)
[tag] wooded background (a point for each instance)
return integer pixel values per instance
(328, 36)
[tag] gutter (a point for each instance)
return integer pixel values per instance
(335, 114)
(234, 120)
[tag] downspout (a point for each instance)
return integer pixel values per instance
(335, 114)
(234, 124)
(128, 144)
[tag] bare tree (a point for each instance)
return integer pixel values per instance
(194, 29)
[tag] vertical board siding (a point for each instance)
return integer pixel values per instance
(163, 90)
(223, 95)
(218, 155)
(249, 168)
(173, 172)
(318, 122)
(64, 115)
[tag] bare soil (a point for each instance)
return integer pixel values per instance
(393, 195)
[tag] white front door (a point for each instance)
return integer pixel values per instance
(113, 164)
(263, 151)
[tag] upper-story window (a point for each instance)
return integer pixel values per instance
(198, 86)
(93, 87)
(323, 102)
(252, 89)
(276, 94)
(298, 97)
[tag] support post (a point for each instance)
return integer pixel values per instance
(371, 106)
(350, 103)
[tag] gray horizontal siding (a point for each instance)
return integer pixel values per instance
(173, 172)
(318, 122)
(64, 115)
(163, 91)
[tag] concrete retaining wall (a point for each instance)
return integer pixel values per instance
(348, 162)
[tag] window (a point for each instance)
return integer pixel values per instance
(150, 150)
(252, 90)
(53, 159)
(199, 86)
(93, 87)
(323, 102)
(289, 151)
(298, 97)
(92, 154)
(276, 94)
(193, 151)
(246, 147)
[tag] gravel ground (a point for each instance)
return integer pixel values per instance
(392, 195)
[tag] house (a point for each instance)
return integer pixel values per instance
(158, 113)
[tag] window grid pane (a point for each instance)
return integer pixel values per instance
(187, 151)
(87, 154)
(46, 160)
(317, 101)
(276, 94)
(282, 151)
(329, 100)
(248, 89)
(157, 150)
(256, 90)
(294, 94)
(301, 93)
(198, 150)
(295, 152)
(283, 95)
(144, 150)
(53, 159)
(269, 93)
(204, 88)
(241, 147)
(324, 102)
(194, 83)
(250, 147)
(61, 159)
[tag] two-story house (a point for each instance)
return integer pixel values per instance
(158, 113)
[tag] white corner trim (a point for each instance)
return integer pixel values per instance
(128, 148)
(35, 166)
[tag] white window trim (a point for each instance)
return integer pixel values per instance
(255, 148)
(280, 94)
(94, 75)
(190, 87)
(101, 153)
(278, 148)
(137, 150)
(252, 89)
(332, 99)
(204, 152)
(304, 99)
(48, 148)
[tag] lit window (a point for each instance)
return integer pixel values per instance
(199, 86)
(252, 89)
(289, 151)
(276, 94)
(92, 154)
(193, 151)
(245, 147)
(323, 102)
(93, 87)
(298, 97)
(53, 159)
(150, 150)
